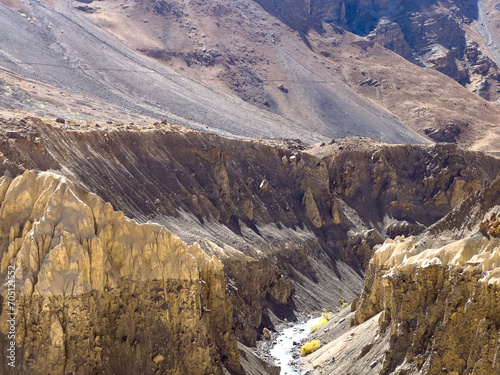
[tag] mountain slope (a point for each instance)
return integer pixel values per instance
(63, 49)
(203, 58)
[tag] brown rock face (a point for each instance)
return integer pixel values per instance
(491, 226)
(389, 35)
(209, 189)
(406, 183)
(439, 305)
(312, 212)
(97, 292)
(476, 213)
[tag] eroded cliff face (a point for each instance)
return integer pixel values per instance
(97, 292)
(250, 190)
(283, 221)
(402, 190)
(419, 185)
(426, 307)
(263, 209)
(439, 306)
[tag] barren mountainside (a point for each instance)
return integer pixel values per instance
(181, 180)
(247, 63)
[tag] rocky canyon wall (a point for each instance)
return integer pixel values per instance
(439, 305)
(97, 292)
(278, 229)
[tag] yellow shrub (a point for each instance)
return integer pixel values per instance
(310, 347)
(328, 315)
(322, 321)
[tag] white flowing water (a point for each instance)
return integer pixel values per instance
(281, 351)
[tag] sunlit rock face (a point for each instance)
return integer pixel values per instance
(98, 292)
(439, 305)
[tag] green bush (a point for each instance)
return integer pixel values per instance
(328, 315)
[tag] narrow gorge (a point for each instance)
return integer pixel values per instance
(157, 249)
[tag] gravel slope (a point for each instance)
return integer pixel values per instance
(66, 50)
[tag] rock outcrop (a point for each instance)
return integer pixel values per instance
(425, 308)
(390, 35)
(419, 185)
(439, 306)
(97, 292)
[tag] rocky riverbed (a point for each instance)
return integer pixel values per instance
(283, 346)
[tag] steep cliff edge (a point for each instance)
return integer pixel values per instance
(97, 292)
(419, 185)
(429, 310)
(401, 190)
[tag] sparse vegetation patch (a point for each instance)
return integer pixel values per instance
(310, 347)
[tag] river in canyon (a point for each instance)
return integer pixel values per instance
(286, 341)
